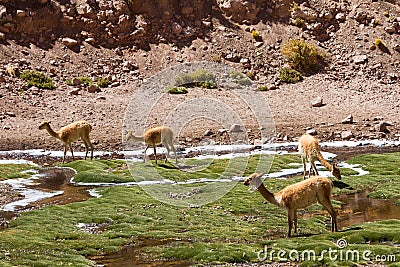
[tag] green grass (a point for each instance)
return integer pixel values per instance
(231, 229)
(38, 79)
(177, 90)
(289, 75)
(240, 78)
(202, 78)
(12, 171)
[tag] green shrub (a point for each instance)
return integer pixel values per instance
(38, 79)
(379, 43)
(69, 82)
(302, 56)
(202, 78)
(264, 88)
(102, 82)
(289, 75)
(298, 22)
(177, 90)
(85, 81)
(240, 78)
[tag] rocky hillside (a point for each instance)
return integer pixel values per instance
(127, 41)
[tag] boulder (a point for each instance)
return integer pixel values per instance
(69, 42)
(235, 128)
(317, 102)
(346, 135)
(348, 120)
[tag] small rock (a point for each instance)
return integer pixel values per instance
(346, 135)
(176, 28)
(92, 88)
(382, 126)
(235, 128)
(6, 127)
(10, 114)
(360, 59)
(317, 102)
(222, 131)
(74, 91)
(20, 14)
(348, 120)
(208, 133)
(2, 36)
(312, 132)
(396, 47)
(390, 29)
(102, 97)
(69, 42)
(258, 44)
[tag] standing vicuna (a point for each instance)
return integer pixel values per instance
(71, 133)
(154, 136)
(310, 150)
(298, 196)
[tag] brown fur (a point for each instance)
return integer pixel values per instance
(71, 133)
(298, 196)
(154, 136)
(310, 150)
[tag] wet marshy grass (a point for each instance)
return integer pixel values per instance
(233, 228)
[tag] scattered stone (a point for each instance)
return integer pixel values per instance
(348, 120)
(69, 42)
(312, 132)
(317, 102)
(10, 114)
(382, 126)
(20, 14)
(92, 88)
(390, 29)
(396, 47)
(235, 128)
(74, 91)
(208, 133)
(258, 44)
(176, 28)
(360, 59)
(2, 36)
(346, 135)
(6, 127)
(102, 97)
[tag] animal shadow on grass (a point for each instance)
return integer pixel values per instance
(341, 185)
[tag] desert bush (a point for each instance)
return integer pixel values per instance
(264, 88)
(177, 90)
(379, 43)
(202, 78)
(102, 82)
(302, 56)
(239, 78)
(38, 79)
(86, 81)
(289, 75)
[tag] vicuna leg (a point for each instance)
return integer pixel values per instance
(87, 142)
(155, 152)
(165, 144)
(304, 166)
(173, 148)
(290, 221)
(86, 147)
(145, 150)
(65, 152)
(313, 167)
(324, 200)
(295, 221)
(72, 152)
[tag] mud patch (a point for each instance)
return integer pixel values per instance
(132, 255)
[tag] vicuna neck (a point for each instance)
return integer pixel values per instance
(324, 162)
(51, 132)
(137, 138)
(267, 195)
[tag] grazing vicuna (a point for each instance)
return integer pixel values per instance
(154, 136)
(310, 150)
(71, 133)
(298, 196)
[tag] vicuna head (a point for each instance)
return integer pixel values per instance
(254, 181)
(336, 171)
(44, 125)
